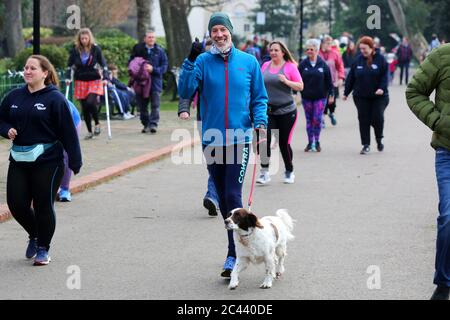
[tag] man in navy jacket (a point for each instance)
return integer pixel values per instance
(157, 66)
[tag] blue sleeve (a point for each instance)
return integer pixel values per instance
(190, 78)
(300, 69)
(384, 76)
(67, 133)
(75, 113)
(4, 118)
(119, 85)
(70, 63)
(163, 64)
(350, 81)
(133, 53)
(102, 62)
(258, 97)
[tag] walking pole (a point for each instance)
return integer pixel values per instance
(107, 111)
(67, 91)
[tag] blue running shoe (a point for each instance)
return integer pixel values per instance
(31, 249)
(42, 257)
(313, 147)
(228, 267)
(64, 195)
(333, 119)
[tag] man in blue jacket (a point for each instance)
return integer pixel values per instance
(232, 93)
(157, 66)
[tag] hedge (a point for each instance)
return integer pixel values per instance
(58, 56)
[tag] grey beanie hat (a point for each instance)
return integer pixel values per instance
(220, 18)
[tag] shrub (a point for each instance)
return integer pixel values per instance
(5, 64)
(111, 33)
(117, 51)
(45, 32)
(58, 56)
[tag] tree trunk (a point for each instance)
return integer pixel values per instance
(417, 40)
(143, 17)
(176, 27)
(13, 19)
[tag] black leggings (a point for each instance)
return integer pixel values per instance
(332, 107)
(34, 183)
(371, 113)
(404, 69)
(284, 125)
(90, 110)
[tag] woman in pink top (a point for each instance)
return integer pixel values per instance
(336, 65)
(281, 76)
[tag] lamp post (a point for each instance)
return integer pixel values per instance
(330, 15)
(36, 26)
(300, 50)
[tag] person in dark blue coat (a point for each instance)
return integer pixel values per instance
(38, 121)
(368, 79)
(317, 93)
(157, 66)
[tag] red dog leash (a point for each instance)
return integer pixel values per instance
(252, 188)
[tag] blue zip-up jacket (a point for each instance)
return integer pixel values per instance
(364, 81)
(231, 92)
(157, 57)
(317, 80)
(41, 117)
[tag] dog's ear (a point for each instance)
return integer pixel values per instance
(253, 221)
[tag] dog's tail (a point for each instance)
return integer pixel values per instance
(288, 222)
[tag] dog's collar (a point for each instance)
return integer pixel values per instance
(248, 234)
(243, 238)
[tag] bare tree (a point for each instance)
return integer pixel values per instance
(174, 14)
(418, 42)
(143, 17)
(13, 21)
(178, 37)
(104, 13)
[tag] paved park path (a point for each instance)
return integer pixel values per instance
(145, 235)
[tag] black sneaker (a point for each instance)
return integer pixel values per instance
(441, 293)
(380, 147)
(365, 149)
(211, 206)
(318, 148)
(308, 148)
(153, 129)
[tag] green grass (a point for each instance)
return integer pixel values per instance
(167, 104)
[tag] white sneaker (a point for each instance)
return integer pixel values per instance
(289, 177)
(263, 177)
(127, 116)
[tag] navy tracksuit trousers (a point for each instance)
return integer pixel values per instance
(227, 166)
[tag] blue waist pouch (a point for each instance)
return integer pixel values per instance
(29, 153)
